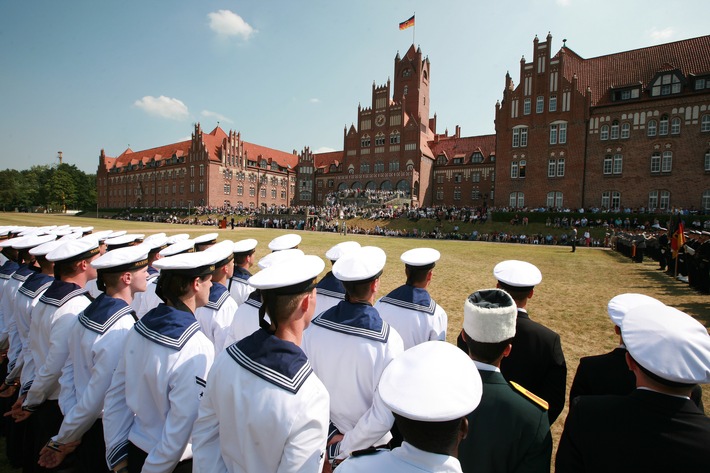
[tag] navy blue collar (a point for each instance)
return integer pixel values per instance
(105, 311)
(8, 268)
(60, 292)
(331, 286)
(152, 271)
(168, 326)
(218, 294)
(277, 361)
(254, 299)
(35, 284)
(241, 273)
(360, 320)
(24, 272)
(410, 297)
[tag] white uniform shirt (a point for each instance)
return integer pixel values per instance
(95, 346)
(149, 300)
(349, 346)
(404, 459)
(137, 303)
(246, 320)
(217, 315)
(92, 288)
(6, 272)
(264, 410)
(414, 315)
(52, 321)
(8, 301)
(155, 392)
(329, 293)
(239, 285)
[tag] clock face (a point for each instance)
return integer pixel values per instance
(380, 120)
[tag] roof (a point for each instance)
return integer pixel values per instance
(690, 56)
(452, 146)
(326, 159)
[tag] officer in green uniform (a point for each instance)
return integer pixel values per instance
(510, 430)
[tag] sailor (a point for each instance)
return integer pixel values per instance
(409, 308)
(509, 431)
(246, 319)
(110, 243)
(330, 290)
(51, 324)
(657, 425)
(264, 409)
(239, 286)
(95, 346)
(352, 338)
(154, 244)
(147, 424)
(430, 388)
(203, 242)
(285, 242)
(217, 315)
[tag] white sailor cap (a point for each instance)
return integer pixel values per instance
(87, 230)
(122, 259)
(155, 236)
(182, 246)
(124, 240)
(117, 233)
(74, 250)
(489, 316)
(224, 251)
(294, 275)
(71, 236)
(245, 246)
(342, 248)
(206, 239)
(285, 242)
(102, 235)
(668, 343)
(516, 273)
(431, 382)
(45, 248)
(278, 257)
(32, 241)
(156, 243)
(60, 232)
(360, 265)
(421, 257)
(188, 264)
(178, 237)
(10, 242)
(29, 231)
(619, 305)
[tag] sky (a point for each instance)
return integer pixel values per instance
(79, 76)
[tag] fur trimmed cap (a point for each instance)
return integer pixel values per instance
(489, 316)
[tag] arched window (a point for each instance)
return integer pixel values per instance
(675, 126)
(351, 169)
(652, 128)
(371, 185)
(386, 186)
(614, 130)
(625, 130)
(403, 185)
(604, 133)
(667, 161)
(705, 123)
(663, 127)
(356, 185)
(514, 170)
(365, 141)
(342, 186)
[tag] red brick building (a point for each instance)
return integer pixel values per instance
(214, 169)
(625, 130)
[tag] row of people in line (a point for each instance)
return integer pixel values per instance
(351, 337)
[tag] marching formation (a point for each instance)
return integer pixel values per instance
(127, 353)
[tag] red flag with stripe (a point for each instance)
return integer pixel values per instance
(407, 23)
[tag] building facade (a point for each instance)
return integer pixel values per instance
(625, 130)
(211, 169)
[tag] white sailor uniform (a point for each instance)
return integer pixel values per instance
(349, 346)
(149, 300)
(9, 311)
(414, 315)
(6, 272)
(51, 324)
(95, 346)
(155, 392)
(217, 315)
(92, 288)
(404, 459)
(329, 292)
(137, 302)
(264, 410)
(239, 286)
(246, 319)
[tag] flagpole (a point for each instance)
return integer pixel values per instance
(414, 28)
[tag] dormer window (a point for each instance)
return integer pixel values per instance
(666, 84)
(477, 157)
(625, 94)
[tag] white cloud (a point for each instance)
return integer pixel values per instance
(662, 35)
(217, 116)
(314, 100)
(163, 106)
(227, 23)
(323, 149)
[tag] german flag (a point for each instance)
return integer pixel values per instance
(678, 239)
(406, 24)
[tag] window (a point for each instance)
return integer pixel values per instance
(553, 134)
(613, 164)
(440, 179)
(527, 103)
(614, 130)
(625, 130)
(561, 167)
(618, 163)
(608, 161)
(364, 168)
(675, 126)
(263, 192)
(540, 104)
(514, 170)
(667, 162)
(476, 177)
(604, 134)
(458, 177)
(656, 162)
(202, 169)
(554, 199)
(394, 138)
(379, 139)
(240, 190)
(666, 84)
(517, 199)
(707, 161)
(227, 189)
(653, 200)
(475, 194)
(365, 141)
(553, 103)
(523, 137)
(665, 200)
(379, 166)
(520, 136)
(273, 193)
(706, 200)
(611, 200)
(477, 157)
(394, 166)
(457, 194)
(652, 128)
(705, 123)
(663, 127)
(521, 168)
(702, 83)
(252, 191)
(551, 168)
(562, 137)
(558, 133)
(439, 194)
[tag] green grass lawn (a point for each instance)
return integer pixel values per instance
(571, 299)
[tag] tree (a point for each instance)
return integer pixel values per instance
(61, 191)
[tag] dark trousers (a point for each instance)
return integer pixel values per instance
(47, 421)
(14, 433)
(136, 459)
(91, 453)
